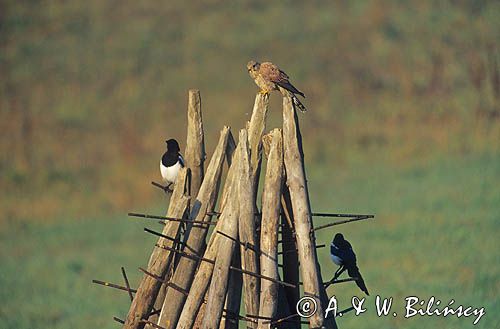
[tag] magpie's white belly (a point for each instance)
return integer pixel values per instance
(169, 174)
(337, 260)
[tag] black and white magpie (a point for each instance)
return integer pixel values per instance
(342, 254)
(171, 162)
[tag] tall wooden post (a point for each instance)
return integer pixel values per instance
(248, 207)
(233, 297)
(269, 229)
(160, 258)
(195, 146)
(218, 286)
(196, 235)
(296, 182)
(204, 274)
(290, 256)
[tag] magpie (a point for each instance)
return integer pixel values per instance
(171, 162)
(342, 254)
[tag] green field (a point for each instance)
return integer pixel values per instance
(403, 122)
(435, 234)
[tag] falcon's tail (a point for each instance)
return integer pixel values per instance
(354, 273)
(298, 104)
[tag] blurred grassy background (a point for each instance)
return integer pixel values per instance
(403, 122)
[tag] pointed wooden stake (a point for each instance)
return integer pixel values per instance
(296, 182)
(160, 258)
(205, 201)
(269, 230)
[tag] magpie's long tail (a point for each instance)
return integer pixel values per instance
(354, 273)
(298, 104)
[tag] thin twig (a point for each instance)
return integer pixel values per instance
(147, 216)
(158, 185)
(342, 222)
(290, 251)
(346, 310)
(314, 214)
(284, 319)
(328, 283)
(325, 214)
(196, 257)
(169, 238)
(154, 325)
(112, 285)
(246, 245)
(167, 283)
(127, 284)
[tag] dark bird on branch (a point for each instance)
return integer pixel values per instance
(171, 162)
(269, 77)
(342, 254)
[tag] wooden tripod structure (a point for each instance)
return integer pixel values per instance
(194, 283)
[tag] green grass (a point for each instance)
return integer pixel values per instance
(402, 122)
(435, 234)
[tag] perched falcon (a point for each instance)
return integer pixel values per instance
(269, 77)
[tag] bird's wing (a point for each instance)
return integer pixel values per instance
(348, 254)
(181, 161)
(334, 250)
(274, 74)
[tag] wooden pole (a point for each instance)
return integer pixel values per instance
(160, 258)
(288, 294)
(218, 286)
(247, 231)
(269, 229)
(201, 280)
(195, 145)
(255, 132)
(233, 297)
(255, 129)
(290, 255)
(184, 273)
(296, 182)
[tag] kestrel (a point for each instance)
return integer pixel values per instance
(269, 77)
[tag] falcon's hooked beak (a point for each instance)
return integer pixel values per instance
(252, 66)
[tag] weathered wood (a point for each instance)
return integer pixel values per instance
(195, 145)
(247, 231)
(288, 294)
(290, 255)
(255, 128)
(218, 286)
(255, 132)
(296, 182)
(233, 297)
(160, 258)
(163, 289)
(201, 280)
(205, 201)
(269, 229)
(201, 312)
